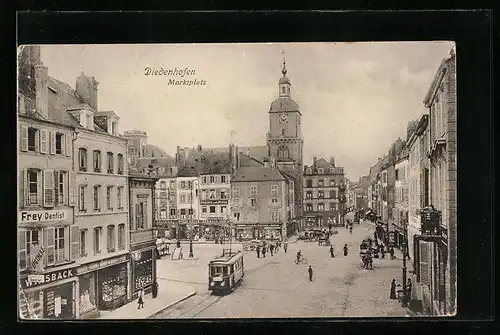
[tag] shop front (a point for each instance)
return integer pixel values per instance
(245, 232)
(113, 282)
(143, 269)
(50, 296)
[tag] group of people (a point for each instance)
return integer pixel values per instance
(273, 248)
(393, 289)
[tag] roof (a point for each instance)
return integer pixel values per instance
(244, 174)
(257, 152)
(284, 104)
(436, 81)
(205, 162)
(154, 151)
(285, 80)
(227, 257)
(156, 162)
(247, 161)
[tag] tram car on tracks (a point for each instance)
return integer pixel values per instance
(225, 272)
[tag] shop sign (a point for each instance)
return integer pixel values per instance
(51, 277)
(101, 264)
(43, 216)
(136, 255)
(35, 263)
(142, 195)
(214, 202)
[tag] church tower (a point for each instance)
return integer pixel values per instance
(284, 139)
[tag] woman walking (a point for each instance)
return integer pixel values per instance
(393, 289)
(141, 299)
(346, 250)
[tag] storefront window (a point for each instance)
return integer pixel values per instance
(87, 293)
(35, 304)
(59, 302)
(144, 270)
(114, 286)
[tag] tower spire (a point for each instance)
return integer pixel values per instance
(284, 64)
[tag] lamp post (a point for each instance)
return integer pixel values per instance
(191, 224)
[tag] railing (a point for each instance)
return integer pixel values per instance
(141, 235)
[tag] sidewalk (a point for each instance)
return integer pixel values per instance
(169, 294)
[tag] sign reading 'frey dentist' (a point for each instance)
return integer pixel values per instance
(43, 216)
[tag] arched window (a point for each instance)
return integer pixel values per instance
(283, 152)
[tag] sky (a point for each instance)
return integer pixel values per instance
(356, 99)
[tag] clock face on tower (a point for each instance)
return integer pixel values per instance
(283, 118)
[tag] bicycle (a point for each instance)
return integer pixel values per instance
(302, 260)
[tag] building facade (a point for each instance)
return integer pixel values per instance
(437, 253)
(142, 232)
(215, 192)
(258, 203)
(166, 206)
(400, 210)
(323, 185)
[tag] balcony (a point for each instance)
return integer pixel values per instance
(141, 236)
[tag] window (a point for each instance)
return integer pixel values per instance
(212, 179)
(172, 213)
(212, 194)
(113, 128)
(223, 179)
(236, 192)
(236, 216)
(333, 206)
(109, 192)
(223, 209)
(141, 215)
(97, 240)
(274, 190)
(81, 197)
(89, 121)
(110, 162)
(236, 202)
(120, 163)
(33, 139)
(309, 207)
(61, 177)
(309, 183)
(97, 205)
(163, 213)
(320, 183)
(121, 236)
(163, 185)
(308, 171)
(204, 209)
(274, 200)
(223, 194)
(111, 238)
(212, 209)
(34, 181)
(182, 198)
(253, 190)
(82, 159)
(274, 216)
(32, 241)
(183, 184)
(189, 184)
(83, 240)
(283, 89)
(253, 203)
(60, 254)
(190, 211)
(183, 213)
(59, 143)
(203, 180)
(321, 194)
(309, 195)
(321, 170)
(283, 132)
(321, 207)
(119, 193)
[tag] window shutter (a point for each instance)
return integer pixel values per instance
(52, 143)
(56, 188)
(50, 246)
(44, 141)
(23, 188)
(416, 257)
(145, 215)
(136, 216)
(21, 238)
(68, 143)
(24, 138)
(74, 246)
(48, 188)
(73, 189)
(424, 263)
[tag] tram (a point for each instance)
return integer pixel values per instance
(226, 272)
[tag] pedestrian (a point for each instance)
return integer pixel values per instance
(264, 251)
(271, 249)
(391, 251)
(382, 250)
(408, 288)
(370, 261)
(350, 229)
(393, 289)
(140, 302)
(331, 252)
(154, 290)
(258, 251)
(285, 246)
(310, 270)
(346, 250)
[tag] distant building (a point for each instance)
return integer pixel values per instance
(400, 210)
(323, 189)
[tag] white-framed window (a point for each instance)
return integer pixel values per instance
(321, 194)
(236, 202)
(253, 202)
(61, 177)
(309, 207)
(119, 196)
(212, 210)
(97, 240)
(204, 180)
(321, 170)
(59, 246)
(183, 184)
(82, 159)
(59, 143)
(204, 210)
(121, 236)
(253, 190)
(274, 216)
(223, 209)
(34, 181)
(236, 191)
(320, 183)
(236, 216)
(182, 198)
(163, 185)
(82, 190)
(97, 198)
(332, 170)
(212, 179)
(111, 168)
(274, 190)
(172, 213)
(308, 171)
(223, 194)
(109, 197)
(223, 179)
(333, 206)
(83, 242)
(321, 207)
(97, 161)
(212, 194)
(111, 238)
(33, 139)
(274, 200)
(141, 215)
(120, 163)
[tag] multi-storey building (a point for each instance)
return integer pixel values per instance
(48, 245)
(437, 253)
(323, 186)
(102, 213)
(400, 210)
(260, 203)
(166, 206)
(418, 179)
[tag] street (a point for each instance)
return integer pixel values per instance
(276, 287)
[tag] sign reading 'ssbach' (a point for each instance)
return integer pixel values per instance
(43, 216)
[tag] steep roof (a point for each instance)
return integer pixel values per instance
(284, 104)
(247, 161)
(244, 174)
(257, 152)
(205, 162)
(154, 151)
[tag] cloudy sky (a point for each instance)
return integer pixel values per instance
(355, 98)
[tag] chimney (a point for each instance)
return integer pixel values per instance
(332, 161)
(42, 90)
(86, 88)
(315, 161)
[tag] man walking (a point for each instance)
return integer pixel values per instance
(331, 252)
(285, 246)
(264, 251)
(310, 270)
(258, 251)
(271, 249)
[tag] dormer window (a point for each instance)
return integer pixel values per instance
(113, 128)
(320, 170)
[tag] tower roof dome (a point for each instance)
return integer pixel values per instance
(285, 80)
